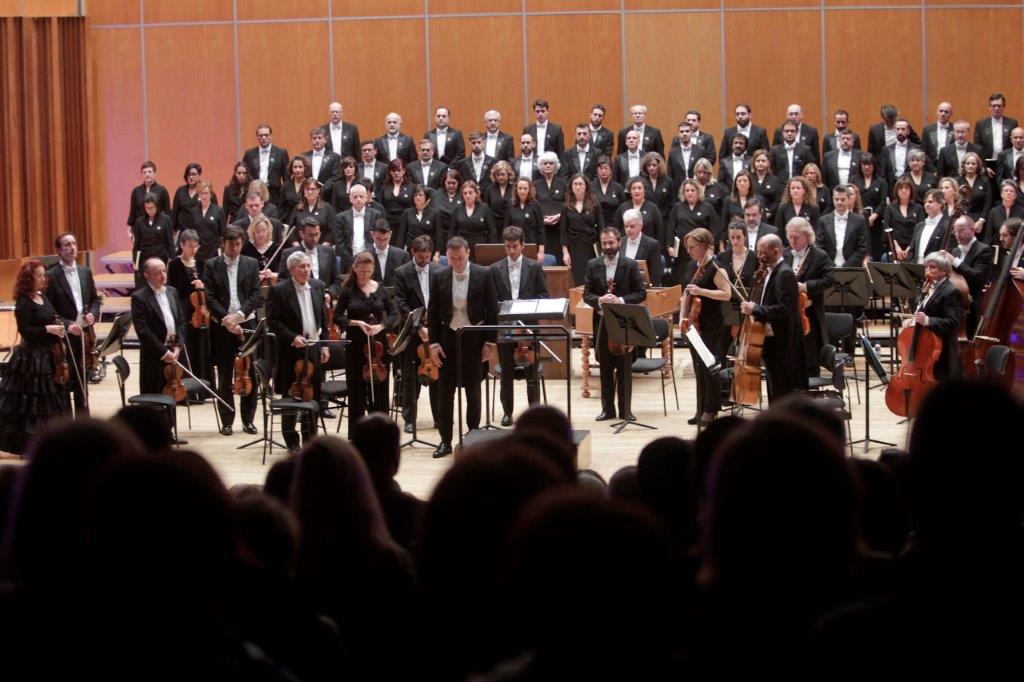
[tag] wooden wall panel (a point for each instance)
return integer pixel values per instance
(693, 83)
(671, 4)
(476, 64)
(873, 3)
(391, 79)
(770, 79)
(163, 11)
(112, 11)
(191, 114)
(574, 74)
(274, 9)
(572, 5)
(118, 68)
(474, 6)
(43, 8)
(743, 4)
(851, 59)
(358, 8)
(300, 94)
(960, 2)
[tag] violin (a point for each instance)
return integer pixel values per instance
(241, 380)
(173, 375)
(919, 349)
(616, 348)
(689, 309)
(374, 366)
(200, 313)
(428, 371)
(89, 347)
(62, 372)
(302, 388)
(333, 333)
(803, 302)
(746, 374)
(524, 354)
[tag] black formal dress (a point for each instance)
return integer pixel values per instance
(324, 215)
(654, 225)
(902, 220)
(531, 218)
(69, 308)
(136, 204)
(445, 205)
(787, 212)
(580, 231)
(499, 202)
(412, 292)
(769, 188)
(551, 197)
(979, 200)
(998, 215)
(783, 353)
(395, 204)
(151, 238)
(210, 227)
(715, 193)
(608, 198)
(339, 195)
(234, 200)
(531, 285)
(683, 219)
(742, 281)
(928, 181)
(420, 224)
(478, 228)
(267, 259)
(181, 206)
(290, 198)
(356, 305)
(711, 328)
(664, 195)
(815, 270)
(196, 355)
(29, 396)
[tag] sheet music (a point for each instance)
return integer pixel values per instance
(523, 307)
(697, 343)
(550, 305)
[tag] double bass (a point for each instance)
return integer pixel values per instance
(746, 371)
(919, 349)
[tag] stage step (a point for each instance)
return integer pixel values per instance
(118, 281)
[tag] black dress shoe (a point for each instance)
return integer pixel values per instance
(249, 427)
(178, 441)
(630, 418)
(327, 414)
(442, 450)
(293, 448)
(226, 431)
(692, 421)
(506, 420)
(604, 416)
(409, 427)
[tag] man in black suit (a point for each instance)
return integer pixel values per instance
(253, 210)
(600, 137)
(732, 163)
(628, 288)
(232, 284)
(650, 137)
(639, 247)
(993, 133)
(1008, 158)
(394, 144)
(842, 121)
(72, 291)
(461, 295)
(352, 227)
(581, 157)
(951, 157)
(324, 267)
(883, 133)
(412, 291)
(136, 205)
(516, 277)
(428, 171)
(973, 260)
(325, 165)
(527, 164)
(159, 325)
(806, 134)
(684, 154)
(386, 258)
(476, 166)
(842, 166)
(342, 136)
(929, 234)
(843, 234)
(266, 162)
(937, 135)
(298, 316)
(753, 216)
(448, 143)
(775, 303)
(497, 144)
(700, 138)
(814, 276)
(757, 137)
(547, 136)
(370, 167)
(894, 157)
(940, 311)
(789, 157)
(629, 162)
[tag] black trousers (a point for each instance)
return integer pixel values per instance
(471, 378)
(359, 400)
(225, 349)
(506, 355)
(308, 423)
(74, 385)
(410, 393)
(709, 386)
(611, 365)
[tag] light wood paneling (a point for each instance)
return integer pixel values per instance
(851, 58)
(40, 8)
(960, 2)
(585, 71)
(301, 93)
(274, 9)
(474, 6)
(572, 5)
(770, 79)
(191, 108)
(10, 8)
(672, 4)
(118, 68)
(388, 75)
(475, 65)
(740, 4)
(360, 8)
(162, 11)
(874, 3)
(112, 11)
(993, 39)
(691, 83)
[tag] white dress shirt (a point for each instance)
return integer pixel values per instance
(382, 259)
(515, 275)
(582, 155)
(425, 167)
(314, 260)
(790, 149)
(460, 296)
(961, 252)
(526, 167)
(737, 165)
(264, 162)
(926, 234)
(71, 272)
(358, 231)
(234, 304)
(840, 228)
(315, 161)
(997, 136)
(961, 152)
(491, 144)
(442, 141)
(310, 328)
(335, 131)
(843, 162)
(542, 133)
(478, 166)
(752, 236)
(632, 247)
(165, 310)
(685, 152)
(423, 275)
(392, 147)
(634, 163)
(942, 134)
(610, 266)
(900, 154)
(890, 135)
(745, 131)
(798, 260)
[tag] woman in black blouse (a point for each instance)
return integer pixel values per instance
(499, 194)
(234, 191)
(29, 395)
(654, 226)
(526, 213)
(742, 191)
(765, 185)
(688, 215)
(472, 220)
(151, 237)
(445, 202)
(207, 219)
(291, 192)
(608, 193)
(396, 194)
(185, 274)
(902, 215)
(711, 190)
(339, 192)
(185, 198)
(979, 201)
(581, 223)
(1008, 207)
(739, 263)
(421, 219)
(362, 298)
(822, 195)
(312, 206)
(798, 199)
(551, 190)
(874, 194)
(922, 180)
(261, 246)
(659, 188)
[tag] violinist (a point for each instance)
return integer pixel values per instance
(29, 396)
(708, 283)
(72, 291)
(939, 309)
(412, 291)
(232, 284)
(262, 247)
(814, 276)
(973, 260)
(515, 277)
(366, 312)
(298, 317)
(185, 274)
(775, 303)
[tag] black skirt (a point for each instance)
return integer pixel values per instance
(28, 397)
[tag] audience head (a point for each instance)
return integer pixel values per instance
(378, 439)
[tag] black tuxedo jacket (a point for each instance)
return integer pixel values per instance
(454, 145)
(396, 258)
(532, 283)
(975, 267)
(504, 147)
(930, 140)
(944, 309)
(996, 217)
(277, 167)
(816, 273)
(983, 134)
(327, 263)
(343, 233)
(876, 138)
(434, 174)
(785, 352)
(406, 149)
(518, 162)
(807, 136)
(650, 141)
(725, 169)
(59, 293)
(380, 173)
(349, 139)
(649, 250)
(803, 154)
(218, 292)
(620, 169)
(705, 142)
(465, 168)
(571, 163)
(936, 243)
(888, 164)
(1005, 169)
(629, 283)
(554, 140)
(330, 171)
(285, 319)
(830, 168)
(149, 320)
(481, 306)
(603, 141)
(831, 143)
(949, 162)
(408, 295)
(676, 169)
(758, 140)
(855, 244)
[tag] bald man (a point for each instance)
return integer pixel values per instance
(394, 144)
(342, 136)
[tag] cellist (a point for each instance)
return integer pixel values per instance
(940, 310)
(776, 304)
(973, 260)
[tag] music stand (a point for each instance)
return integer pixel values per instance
(851, 289)
(408, 333)
(115, 338)
(895, 283)
(913, 274)
(628, 324)
(872, 362)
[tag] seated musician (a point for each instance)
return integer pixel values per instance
(513, 278)
(608, 272)
(814, 276)
(775, 303)
(939, 310)
(1007, 233)
(973, 260)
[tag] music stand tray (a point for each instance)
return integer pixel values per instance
(913, 274)
(115, 338)
(851, 289)
(406, 334)
(628, 324)
(533, 310)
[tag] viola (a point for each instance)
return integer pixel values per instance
(689, 309)
(374, 366)
(89, 347)
(200, 313)
(241, 380)
(173, 385)
(616, 348)
(919, 349)
(428, 371)
(302, 387)
(746, 374)
(62, 372)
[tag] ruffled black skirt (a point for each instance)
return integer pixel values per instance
(28, 396)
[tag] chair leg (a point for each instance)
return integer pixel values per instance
(544, 385)
(341, 414)
(188, 410)
(675, 389)
(664, 404)
(174, 423)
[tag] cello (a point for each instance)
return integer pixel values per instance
(746, 371)
(919, 349)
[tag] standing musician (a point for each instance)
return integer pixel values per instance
(939, 309)
(739, 262)
(973, 260)
(297, 316)
(708, 283)
(929, 234)
(233, 293)
(814, 277)
(775, 303)
(386, 258)
(513, 278)
(72, 291)
(185, 274)
(611, 267)
(412, 291)
(262, 246)
(159, 319)
(460, 295)
(363, 298)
